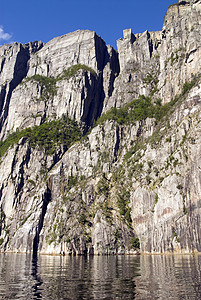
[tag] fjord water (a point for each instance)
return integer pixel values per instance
(100, 277)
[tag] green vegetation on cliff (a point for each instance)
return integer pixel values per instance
(137, 110)
(46, 136)
(48, 84)
(64, 131)
(71, 71)
(142, 108)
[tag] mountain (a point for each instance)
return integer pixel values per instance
(100, 149)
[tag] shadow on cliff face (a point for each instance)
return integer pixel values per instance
(93, 103)
(20, 71)
(105, 56)
(46, 200)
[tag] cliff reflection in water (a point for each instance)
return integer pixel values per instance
(100, 277)
(169, 277)
(54, 277)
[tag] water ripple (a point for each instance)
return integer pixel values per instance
(100, 277)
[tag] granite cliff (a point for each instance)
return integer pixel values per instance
(100, 149)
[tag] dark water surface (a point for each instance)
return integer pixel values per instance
(100, 277)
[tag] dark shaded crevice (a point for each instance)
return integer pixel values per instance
(25, 162)
(5, 102)
(139, 131)
(58, 156)
(103, 58)
(2, 97)
(116, 148)
(44, 116)
(88, 106)
(93, 104)
(114, 62)
(115, 70)
(21, 171)
(102, 54)
(28, 156)
(20, 72)
(2, 64)
(14, 160)
(94, 101)
(35, 46)
(20, 182)
(133, 38)
(163, 34)
(101, 99)
(188, 55)
(183, 2)
(2, 219)
(151, 48)
(111, 84)
(1, 191)
(46, 200)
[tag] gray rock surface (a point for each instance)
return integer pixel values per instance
(123, 185)
(13, 61)
(80, 95)
(170, 57)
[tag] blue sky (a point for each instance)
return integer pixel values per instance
(25, 21)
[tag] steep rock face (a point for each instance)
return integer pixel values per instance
(132, 180)
(159, 63)
(75, 87)
(68, 208)
(138, 57)
(73, 97)
(13, 61)
(181, 47)
(79, 47)
(74, 207)
(167, 207)
(19, 170)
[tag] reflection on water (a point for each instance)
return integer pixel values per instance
(169, 277)
(54, 277)
(100, 277)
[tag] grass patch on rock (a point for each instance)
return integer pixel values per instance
(46, 136)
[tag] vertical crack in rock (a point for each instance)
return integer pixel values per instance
(1, 190)
(115, 70)
(46, 200)
(2, 97)
(20, 178)
(151, 47)
(139, 131)
(116, 148)
(2, 219)
(102, 55)
(2, 64)
(20, 71)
